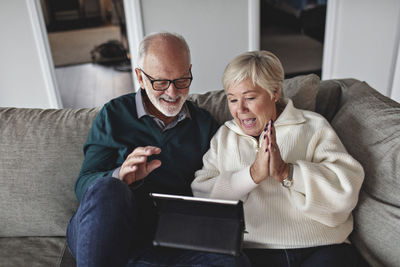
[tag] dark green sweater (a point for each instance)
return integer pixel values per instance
(117, 131)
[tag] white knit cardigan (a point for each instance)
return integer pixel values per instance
(315, 211)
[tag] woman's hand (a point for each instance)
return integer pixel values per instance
(269, 161)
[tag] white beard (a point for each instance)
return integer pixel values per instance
(167, 110)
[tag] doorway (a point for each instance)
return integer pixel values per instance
(89, 49)
(294, 30)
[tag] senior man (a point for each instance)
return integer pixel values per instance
(151, 141)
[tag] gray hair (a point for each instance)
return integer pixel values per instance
(262, 67)
(145, 43)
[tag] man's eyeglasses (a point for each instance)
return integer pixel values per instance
(163, 84)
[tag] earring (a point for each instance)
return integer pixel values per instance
(275, 95)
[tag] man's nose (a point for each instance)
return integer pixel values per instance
(171, 90)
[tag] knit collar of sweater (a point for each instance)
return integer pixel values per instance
(289, 116)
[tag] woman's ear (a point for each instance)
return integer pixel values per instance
(276, 95)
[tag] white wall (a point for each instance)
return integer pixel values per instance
(395, 94)
(26, 78)
(362, 42)
(216, 31)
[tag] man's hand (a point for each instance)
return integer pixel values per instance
(136, 167)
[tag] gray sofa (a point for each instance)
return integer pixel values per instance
(41, 154)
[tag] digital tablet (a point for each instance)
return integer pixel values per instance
(202, 224)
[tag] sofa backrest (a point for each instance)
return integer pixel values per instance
(41, 155)
(302, 90)
(368, 124)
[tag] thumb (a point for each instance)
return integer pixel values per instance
(152, 165)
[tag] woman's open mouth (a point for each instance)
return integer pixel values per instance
(248, 123)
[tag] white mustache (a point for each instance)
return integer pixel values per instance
(170, 99)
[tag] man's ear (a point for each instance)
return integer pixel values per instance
(139, 77)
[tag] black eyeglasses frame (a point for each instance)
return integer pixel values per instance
(152, 81)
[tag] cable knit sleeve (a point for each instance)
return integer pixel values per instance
(327, 182)
(218, 179)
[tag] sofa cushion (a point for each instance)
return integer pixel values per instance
(368, 124)
(215, 102)
(41, 155)
(301, 89)
(328, 98)
(31, 251)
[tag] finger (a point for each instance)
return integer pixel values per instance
(152, 165)
(153, 148)
(145, 151)
(125, 174)
(150, 150)
(268, 134)
(266, 128)
(134, 160)
(266, 143)
(274, 151)
(147, 168)
(272, 137)
(268, 160)
(270, 126)
(274, 157)
(137, 151)
(272, 132)
(273, 148)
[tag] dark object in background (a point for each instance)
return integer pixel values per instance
(308, 19)
(313, 22)
(110, 53)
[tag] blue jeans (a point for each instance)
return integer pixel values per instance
(107, 230)
(340, 255)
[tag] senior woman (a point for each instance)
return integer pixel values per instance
(296, 180)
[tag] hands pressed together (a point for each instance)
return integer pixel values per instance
(268, 162)
(136, 167)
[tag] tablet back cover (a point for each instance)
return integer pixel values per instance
(199, 224)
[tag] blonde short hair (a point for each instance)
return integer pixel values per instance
(262, 67)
